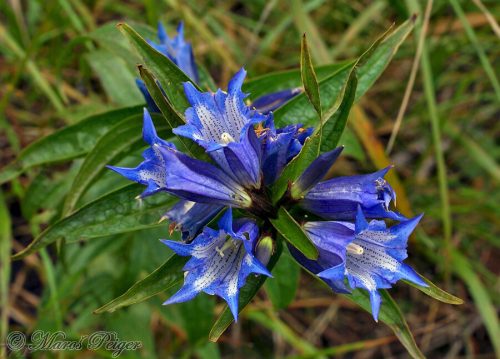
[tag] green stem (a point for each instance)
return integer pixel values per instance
(441, 166)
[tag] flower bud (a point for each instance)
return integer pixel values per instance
(264, 249)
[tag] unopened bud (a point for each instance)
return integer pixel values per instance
(265, 249)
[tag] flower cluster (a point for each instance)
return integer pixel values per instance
(247, 155)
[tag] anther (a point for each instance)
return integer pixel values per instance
(354, 249)
(226, 138)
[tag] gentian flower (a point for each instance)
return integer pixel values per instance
(220, 261)
(151, 171)
(222, 124)
(190, 217)
(369, 255)
(274, 100)
(178, 51)
(338, 198)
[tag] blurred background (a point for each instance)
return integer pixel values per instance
(62, 61)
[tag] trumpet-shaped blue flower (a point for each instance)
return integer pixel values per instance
(220, 261)
(280, 147)
(151, 172)
(222, 124)
(190, 217)
(369, 255)
(270, 102)
(199, 181)
(177, 50)
(339, 198)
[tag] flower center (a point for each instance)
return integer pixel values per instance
(354, 249)
(226, 138)
(228, 244)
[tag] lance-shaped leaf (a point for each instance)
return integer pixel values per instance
(168, 74)
(373, 65)
(435, 292)
(286, 225)
(164, 277)
(173, 118)
(308, 76)
(68, 143)
(120, 140)
(114, 213)
(246, 295)
(288, 79)
(335, 125)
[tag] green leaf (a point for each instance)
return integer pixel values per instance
(298, 109)
(282, 287)
(174, 119)
(376, 59)
(170, 76)
(294, 234)
(334, 126)
(68, 143)
(372, 65)
(115, 77)
(435, 292)
(308, 76)
(108, 37)
(282, 80)
(391, 315)
(247, 292)
(114, 213)
(125, 136)
(164, 277)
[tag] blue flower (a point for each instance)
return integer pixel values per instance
(199, 181)
(178, 51)
(339, 198)
(190, 217)
(270, 102)
(222, 124)
(369, 255)
(151, 172)
(280, 147)
(220, 261)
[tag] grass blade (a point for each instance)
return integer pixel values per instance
(5, 248)
(481, 298)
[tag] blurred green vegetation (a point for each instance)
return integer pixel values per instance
(62, 61)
